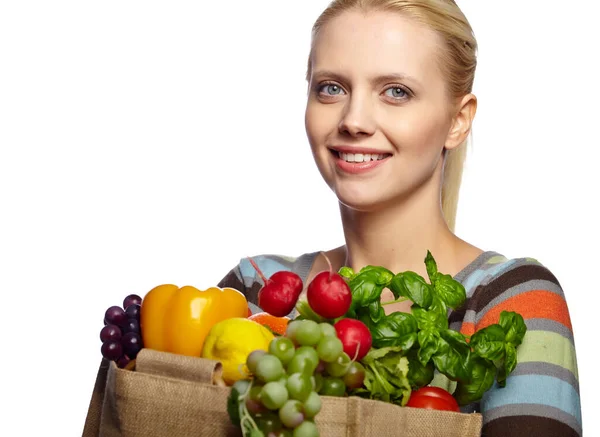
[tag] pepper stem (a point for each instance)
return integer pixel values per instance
(265, 280)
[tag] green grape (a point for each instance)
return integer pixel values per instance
(269, 368)
(327, 330)
(309, 353)
(253, 400)
(355, 376)
(300, 364)
(333, 387)
(268, 422)
(274, 395)
(291, 413)
(283, 348)
(312, 405)
(253, 358)
(339, 367)
(329, 348)
(299, 386)
(291, 329)
(306, 429)
(283, 379)
(308, 333)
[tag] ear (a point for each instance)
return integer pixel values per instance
(462, 121)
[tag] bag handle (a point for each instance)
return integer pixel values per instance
(194, 369)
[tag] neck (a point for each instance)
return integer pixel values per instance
(398, 236)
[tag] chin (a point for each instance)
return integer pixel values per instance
(363, 199)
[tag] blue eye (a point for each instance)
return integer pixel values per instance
(331, 89)
(397, 92)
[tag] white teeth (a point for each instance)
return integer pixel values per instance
(360, 157)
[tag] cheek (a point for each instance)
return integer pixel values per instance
(319, 123)
(419, 135)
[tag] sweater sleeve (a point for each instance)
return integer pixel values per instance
(541, 396)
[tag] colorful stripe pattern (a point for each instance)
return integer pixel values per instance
(541, 397)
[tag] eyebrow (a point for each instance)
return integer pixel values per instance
(392, 77)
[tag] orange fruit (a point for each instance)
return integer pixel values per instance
(276, 324)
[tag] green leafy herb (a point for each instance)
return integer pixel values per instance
(407, 347)
(386, 376)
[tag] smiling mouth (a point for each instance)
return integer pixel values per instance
(360, 157)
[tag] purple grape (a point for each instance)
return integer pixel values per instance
(131, 299)
(110, 332)
(132, 326)
(132, 344)
(133, 311)
(123, 361)
(111, 350)
(115, 316)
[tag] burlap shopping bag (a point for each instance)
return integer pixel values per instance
(174, 395)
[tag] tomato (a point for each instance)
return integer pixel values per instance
(434, 398)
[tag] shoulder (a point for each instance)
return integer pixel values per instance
(520, 281)
(523, 285)
(543, 390)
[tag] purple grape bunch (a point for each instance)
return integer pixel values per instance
(121, 336)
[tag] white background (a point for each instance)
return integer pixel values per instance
(152, 142)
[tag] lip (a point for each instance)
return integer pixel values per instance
(356, 168)
(363, 150)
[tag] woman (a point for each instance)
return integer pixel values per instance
(388, 115)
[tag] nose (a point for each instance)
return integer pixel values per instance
(357, 119)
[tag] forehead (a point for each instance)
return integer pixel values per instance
(376, 43)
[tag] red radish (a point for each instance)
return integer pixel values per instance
(355, 337)
(328, 294)
(279, 294)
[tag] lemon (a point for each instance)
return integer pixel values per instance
(230, 341)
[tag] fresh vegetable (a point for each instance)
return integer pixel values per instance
(328, 294)
(177, 320)
(280, 292)
(355, 337)
(435, 398)
(409, 347)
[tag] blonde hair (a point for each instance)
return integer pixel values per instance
(458, 62)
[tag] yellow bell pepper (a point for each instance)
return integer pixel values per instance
(177, 320)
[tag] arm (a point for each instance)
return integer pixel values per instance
(541, 397)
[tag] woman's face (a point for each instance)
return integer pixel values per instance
(378, 116)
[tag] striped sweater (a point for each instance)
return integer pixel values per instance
(541, 397)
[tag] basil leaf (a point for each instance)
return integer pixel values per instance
(393, 327)
(453, 356)
(450, 291)
(428, 340)
(514, 326)
(430, 319)
(482, 379)
(376, 311)
(418, 374)
(489, 342)
(412, 286)
(367, 285)
(347, 272)
(431, 267)
(506, 366)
